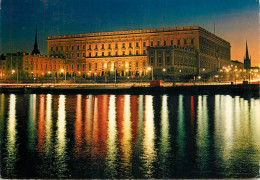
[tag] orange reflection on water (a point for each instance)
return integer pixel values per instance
(41, 124)
(88, 119)
(102, 124)
(78, 126)
(134, 117)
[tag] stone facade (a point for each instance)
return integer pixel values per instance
(102, 51)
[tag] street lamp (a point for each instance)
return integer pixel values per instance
(151, 69)
(115, 74)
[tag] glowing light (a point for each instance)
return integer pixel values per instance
(11, 137)
(60, 147)
(62, 70)
(164, 69)
(112, 138)
(48, 124)
(149, 68)
(149, 136)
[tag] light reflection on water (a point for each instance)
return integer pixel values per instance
(129, 136)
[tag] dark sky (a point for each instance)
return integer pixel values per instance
(236, 20)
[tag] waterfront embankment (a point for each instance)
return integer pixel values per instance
(141, 88)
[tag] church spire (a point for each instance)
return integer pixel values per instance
(247, 55)
(35, 49)
(247, 60)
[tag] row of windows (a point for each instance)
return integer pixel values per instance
(124, 46)
(108, 54)
(160, 62)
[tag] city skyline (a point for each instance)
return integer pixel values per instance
(232, 19)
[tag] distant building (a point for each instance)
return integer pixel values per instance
(247, 60)
(175, 51)
(2, 66)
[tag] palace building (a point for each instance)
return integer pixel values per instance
(174, 51)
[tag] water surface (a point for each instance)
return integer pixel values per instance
(129, 136)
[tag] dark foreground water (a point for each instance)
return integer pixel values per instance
(127, 136)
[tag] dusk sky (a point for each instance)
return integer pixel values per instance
(236, 20)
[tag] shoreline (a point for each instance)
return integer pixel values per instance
(238, 89)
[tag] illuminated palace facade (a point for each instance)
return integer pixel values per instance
(174, 52)
(169, 52)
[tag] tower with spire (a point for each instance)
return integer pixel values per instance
(247, 60)
(35, 49)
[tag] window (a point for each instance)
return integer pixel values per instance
(130, 52)
(96, 54)
(168, 60)
(137, 44)
(83, 55)
(72, 67)
(144, 44)
(171, 42)
(72, 54)
(78, 47)
(89, 47)
(144, 64)
(56, 48)
(96, 66)
(137, 64)
(103, 46)
(160, 61)
(72, 47)
(137, 52)
(116, 53)
(78, 67)
(123, 45)
(185, 41)
(62, 48)
(84, 67)
(83, 46)
(130, 45)
(78, 55)
(89, 67)
(192, 41)
(116, 45)
(164, 43)
(158, 43)
(96, 46)
(179, 42)
(123, 53)
(51, 48)
(89, 55)
(152, 60)
(109, 53)
(144, 52)
(67, 47)
(109, 46)
(103, 54)
(152, 43)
